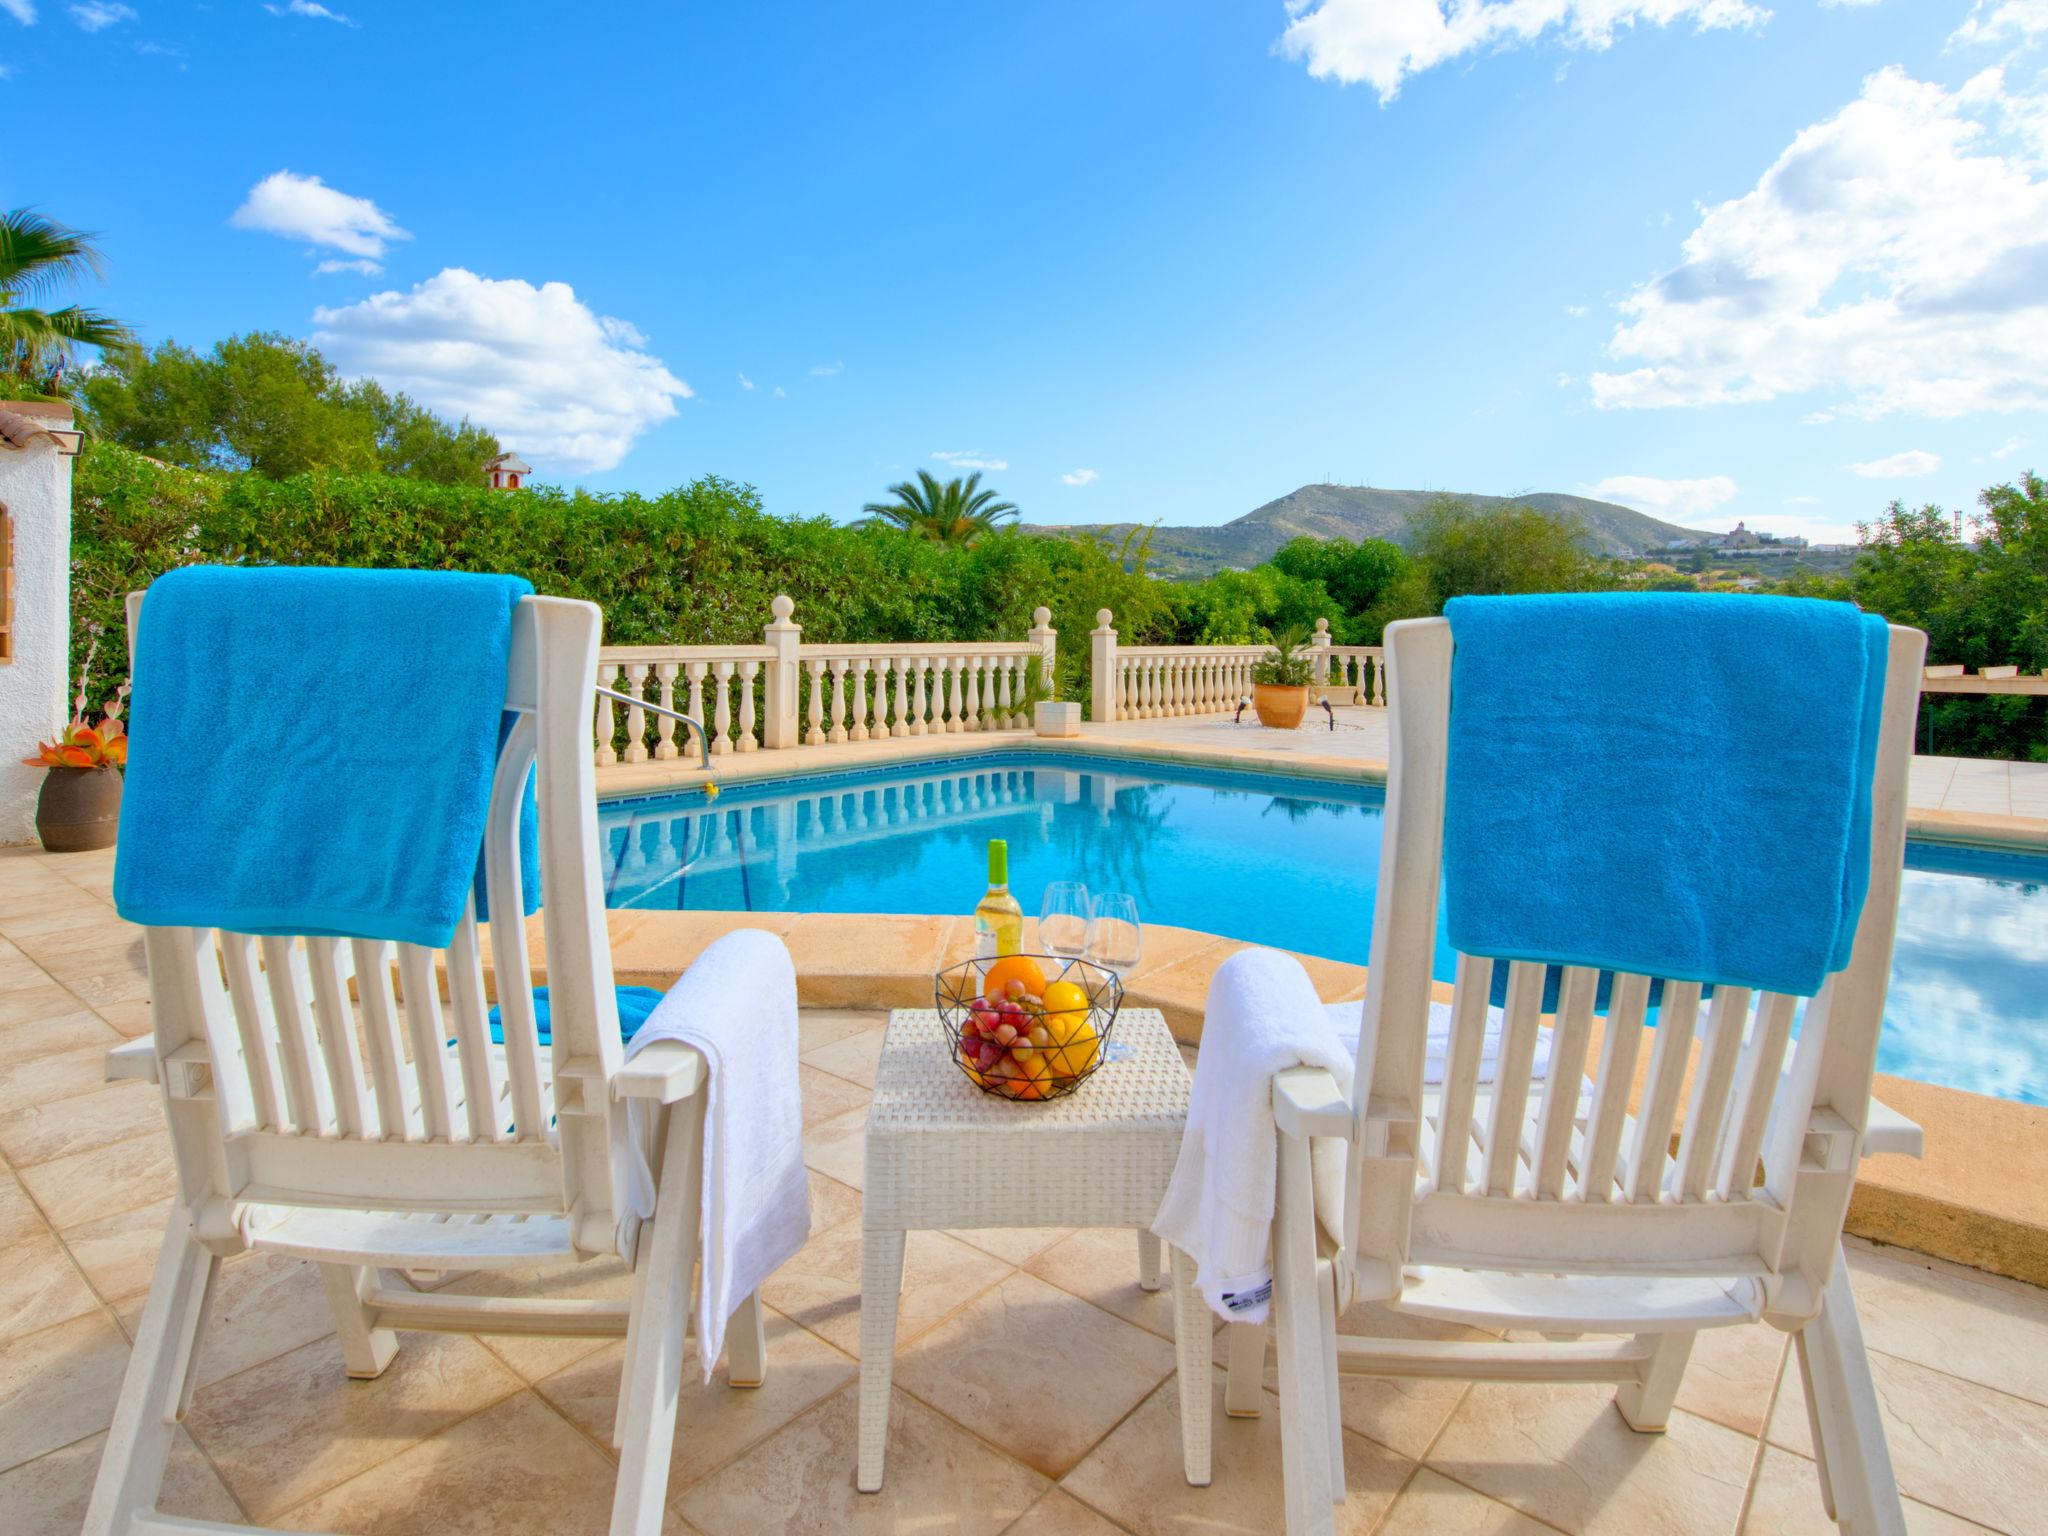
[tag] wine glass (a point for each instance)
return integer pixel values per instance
(1063, 919)
(1115, 940)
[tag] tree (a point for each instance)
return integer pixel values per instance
(39, 256)
(1359, 577)
(273, 404)
(1466, 551)
(953, 512)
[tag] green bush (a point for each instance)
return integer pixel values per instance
(697, 565)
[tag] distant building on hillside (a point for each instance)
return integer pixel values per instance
(507, 472)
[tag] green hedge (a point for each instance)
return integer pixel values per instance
(694, 566)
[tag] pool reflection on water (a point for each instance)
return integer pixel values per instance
(1265, 858)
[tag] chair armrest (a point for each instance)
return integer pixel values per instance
(1308, 1102)
(667, 1071)
(1889, 1131)
(133, 1060)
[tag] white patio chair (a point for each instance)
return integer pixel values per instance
(1508, 1205)
(318, 1111)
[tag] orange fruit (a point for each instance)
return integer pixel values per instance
(996, 982)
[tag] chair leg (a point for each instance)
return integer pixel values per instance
(1646, 1402)
(1149, 1267)
(881, 1286)
(746, 1345)
(1333, 1410)
(1842, 1406)
(365, 1351)
(1298, 1336)
(648, 1405)
(157, 1386)
(1244, 1395)
(1193, 1338)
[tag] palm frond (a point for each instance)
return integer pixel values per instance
(38, 255)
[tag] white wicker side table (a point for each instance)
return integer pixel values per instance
(943, 1154)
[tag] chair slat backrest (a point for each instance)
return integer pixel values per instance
(1703, 1161)
(361, 1072)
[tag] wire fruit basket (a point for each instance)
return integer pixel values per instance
(1028, 1027)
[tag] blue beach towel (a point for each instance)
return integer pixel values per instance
(311, 750)
(635, 1004)
(1672, 784)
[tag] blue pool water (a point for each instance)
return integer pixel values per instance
(1270, 859)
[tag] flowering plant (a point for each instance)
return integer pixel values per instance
(82, 744)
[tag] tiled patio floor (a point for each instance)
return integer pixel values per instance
(1034, 1390)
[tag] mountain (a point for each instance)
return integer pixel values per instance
(1367, 512)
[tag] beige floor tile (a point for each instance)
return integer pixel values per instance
(1035, 1370)
(59, 1385)
(263, 1305)
(103, 1182)
(118, 1252)
(1786, 1502)
(1135, 1478)
(41, 1021)
(714, 1422)
(129, 1018)
(1992, 1334)
(55, 949)
(840, 962)
(831, 1202)
(61, 910)
(852, 1058)
(837, 1147)
(1100, 1264)
(1958, 1446)
(514, 1467)
(296, 1426)
(533, 1356)
(1563, 1455)
(1729, 1376)
(819, 1027)
(45, 1079)
(1403, 1415)
(19, 1218)
(47, 1496)
(103, 973)
(820, 1287)
(1433, 1505)
(40, 1132)
(799, 1482)
(39, 1286)
(826, 1097)
(1061, 1514)
(1013, 1245)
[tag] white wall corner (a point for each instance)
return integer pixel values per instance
(35, 491)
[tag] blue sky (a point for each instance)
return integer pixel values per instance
(1144, 260)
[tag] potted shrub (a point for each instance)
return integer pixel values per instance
(1280, 682)
(79, 807)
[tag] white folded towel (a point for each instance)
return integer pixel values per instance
(737, 1005)
(1262, 1017)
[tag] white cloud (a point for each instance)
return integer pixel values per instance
(1382, 42)
(1898, 466)
(1845, 4)
(306, 208)
(535, 365)
(1577, 311)
(745, 382)
(1893, 259)
(23, 11)
(1675, 501)
(827, 370)
(1080, 477)
(1802, 501)
(309, 8)
(2001, 21)
(2006, 449)
(968, 458)
(98, 15)
(361, 264)
(779, 394)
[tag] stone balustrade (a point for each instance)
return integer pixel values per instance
(1149, 682)
(785, 694)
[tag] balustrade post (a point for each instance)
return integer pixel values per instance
(815, 736)
(782, 688)
(917, 726)
(1045, 646)
(721, 731)
(1006, 717)
(749, 670)
(955, 721)
(636, 717)
(1102, 680)
(665, 728)
(899, 724)
(607, 719)
(1319, 656)
(838, 711)
(859, 729)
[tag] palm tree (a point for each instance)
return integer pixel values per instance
(955, 512)
(38, 256)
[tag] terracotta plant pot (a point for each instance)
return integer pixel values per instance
(79, 809)
(1281, 708)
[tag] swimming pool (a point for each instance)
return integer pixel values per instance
(1267, 858)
